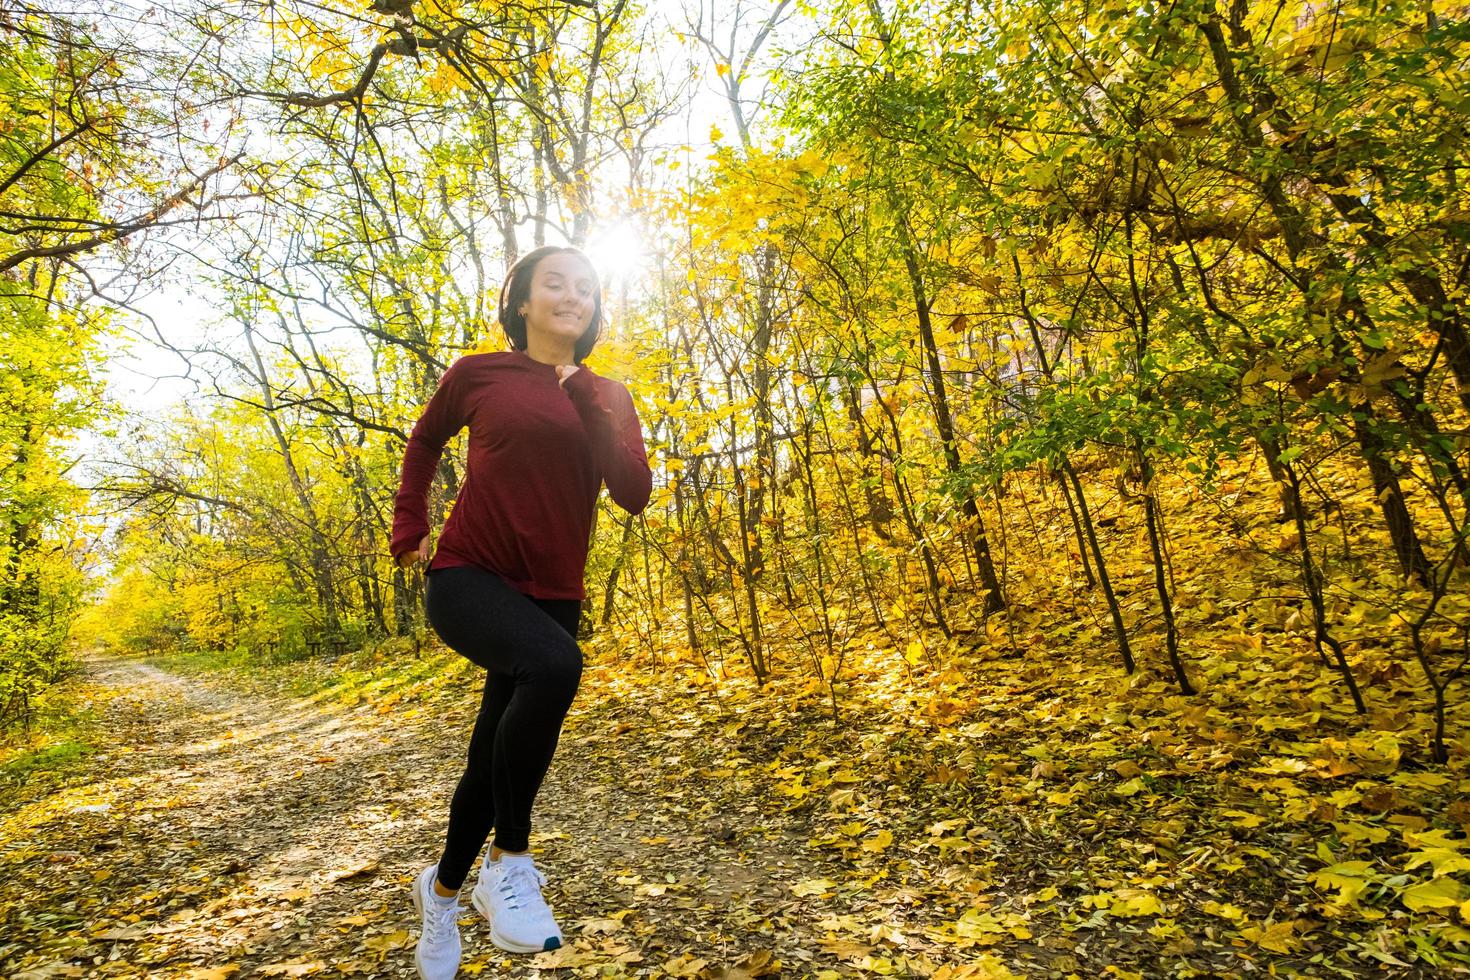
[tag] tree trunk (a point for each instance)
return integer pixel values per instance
(321, 555)
(975, 531)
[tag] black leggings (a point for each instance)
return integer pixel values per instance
(529, 651)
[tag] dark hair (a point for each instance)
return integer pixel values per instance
(517, 289)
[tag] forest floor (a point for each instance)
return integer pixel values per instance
(224, 825)
(229, 832)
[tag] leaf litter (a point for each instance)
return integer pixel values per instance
(984, 818)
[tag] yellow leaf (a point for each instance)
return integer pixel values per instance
(1421, 780)
(1444, 860)
(813, 886)
(759, 963)
(685, 965)
(1441, 893)
(1349, 878)
(1433, 838)
(1452, 934)
(878, 842)
(1130, 902)
(987, 928)
(1352, 832)
(574, 955)
(1281, 766)
(1380, 757)
(985, 968)
(295, 968)
(1278, 937)
(1224, 911)
(1244, 819)
(388, 941)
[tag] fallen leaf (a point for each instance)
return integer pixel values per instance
(1441, 893)
(1129, 902)
(358, 871)
(1279, 937)
(572, 955)
(845, 948)
(813, 886)
(388, 941)
(295, 968)
(48, 970)
(592, 927)
(685, 965)
(756, 964)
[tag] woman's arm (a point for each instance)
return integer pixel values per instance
(444, 416)
(617, 437)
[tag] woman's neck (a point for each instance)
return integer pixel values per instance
(550, 351)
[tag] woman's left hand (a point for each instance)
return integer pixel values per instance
(564, 371)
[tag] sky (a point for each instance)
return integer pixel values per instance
(146, 378)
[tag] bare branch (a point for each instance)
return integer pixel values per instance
(145, 220)
(41, 154)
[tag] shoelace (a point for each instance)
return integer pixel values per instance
(442, 923)
(522, 886)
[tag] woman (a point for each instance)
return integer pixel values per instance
(505, 584)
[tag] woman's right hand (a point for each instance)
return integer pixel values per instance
(421, 553)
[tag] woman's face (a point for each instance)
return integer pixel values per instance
(562, 300)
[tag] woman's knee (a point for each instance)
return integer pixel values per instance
(557, 666)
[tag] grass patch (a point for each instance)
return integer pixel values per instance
(198, 662)
(62, 734)
(393, 671)
(56, 758)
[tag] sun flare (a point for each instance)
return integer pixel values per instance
(619, 254)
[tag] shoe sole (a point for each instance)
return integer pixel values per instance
(418, 907)
(482, 905)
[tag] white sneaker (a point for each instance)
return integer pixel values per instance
(508, 895)
(438, 951)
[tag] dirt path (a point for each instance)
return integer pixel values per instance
(224, 834)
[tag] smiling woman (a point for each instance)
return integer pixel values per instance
(505, 584)
(551, 305)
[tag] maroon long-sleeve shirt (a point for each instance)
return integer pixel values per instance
(539, 452)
